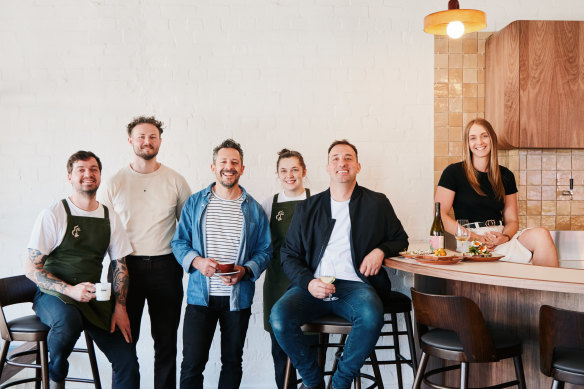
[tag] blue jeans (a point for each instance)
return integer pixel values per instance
(358, 302)
(66, 324)
(198, 330)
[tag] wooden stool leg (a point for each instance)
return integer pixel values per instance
(288, 373)
(411, 342)
(376, 371)
(398, 368)
(463, 375)
(44, 363)
(93, 361)
(420, 372)
(517, 361)
(37, 373)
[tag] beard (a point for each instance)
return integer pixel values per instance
(229, 185)
(140, 153)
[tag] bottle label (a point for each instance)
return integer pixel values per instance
(436, 242)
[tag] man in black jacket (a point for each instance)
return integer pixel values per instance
(344, 232)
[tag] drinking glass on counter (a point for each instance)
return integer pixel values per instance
(462, 231)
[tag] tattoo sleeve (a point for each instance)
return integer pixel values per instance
(121, 281)
(37, 273)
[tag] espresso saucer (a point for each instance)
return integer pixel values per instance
(219, 274)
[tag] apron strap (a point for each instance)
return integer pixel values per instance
(275, 200)
(64, 201)
(105, 212)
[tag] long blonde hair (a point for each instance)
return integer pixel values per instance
(493, 171)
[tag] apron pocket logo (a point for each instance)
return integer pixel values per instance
(76, 231)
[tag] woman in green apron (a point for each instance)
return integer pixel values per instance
(291, 171)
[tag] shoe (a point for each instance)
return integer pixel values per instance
(320, 386)
(56, 385)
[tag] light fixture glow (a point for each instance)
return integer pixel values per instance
(455, 29)
(438, 23)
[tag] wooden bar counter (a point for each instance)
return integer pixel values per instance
(509, 296)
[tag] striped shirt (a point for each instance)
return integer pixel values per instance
(223, 229)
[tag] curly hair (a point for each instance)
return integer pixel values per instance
(145, 119)
(228, 144)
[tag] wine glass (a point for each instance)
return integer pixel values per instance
(327, 275)
(462, 232)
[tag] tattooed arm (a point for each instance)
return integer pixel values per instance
(37, 273)
(120, 286)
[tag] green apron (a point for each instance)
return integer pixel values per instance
(79, 259)
(276, 282)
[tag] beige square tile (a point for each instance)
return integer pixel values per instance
(440, 119)
(470, 104)
(440, 104)
(522, 151)
(521, 208)
(481, 76)
(522, 222)
(441, 75)
(455, 149)
(548, 177)
(437, 178)
(481, 61)
(454, 159)
(533, 221)
(455, 119)
(513, 163)
(503, 160)
(484, 34)
(534, 162)
(548, 161)
(469, 90)
(514, 152)
(548, 222)
(440, 44)
(454, 46)
(563, 223)
(533, 207)
(481, 45)
(469, 75)
(441, 61)
(455, 134)
(455, 61)
(455, 89)
(535, 152)
(577, 208)
(441, 134)
(522, 162)
(577, 223)
(481, 105)
(578, 176)
(563, 208)
(455, 104)
(533, 177)
(455, 76)
(577, 162)
(533, 192)
(468, 116)
(522, 177)
(548, 192)
(470, 45)
(481, 90)
(441, 149)
(440, 90)
(440, 163)
(564, 161)
(559, 193)
(548, 207)
(563, 177)
(469, 61)
(522, 192)
(578, 192)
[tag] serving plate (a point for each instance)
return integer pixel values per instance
(434, 260)
(482, 258)
(409, 254)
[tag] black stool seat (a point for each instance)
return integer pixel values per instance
(569, 359)
(398, 303)
(30, 323)
(448, 340)
(331, 320)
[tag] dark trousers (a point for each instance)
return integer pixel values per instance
(66, 324)
(198, 329)
(158, 281)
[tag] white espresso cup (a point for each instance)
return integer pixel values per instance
(103, 291)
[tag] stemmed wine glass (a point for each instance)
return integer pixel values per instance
(462, 231)
(327, 275)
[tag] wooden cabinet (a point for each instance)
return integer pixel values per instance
(534, 86)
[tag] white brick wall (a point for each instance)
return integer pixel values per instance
(268, 73)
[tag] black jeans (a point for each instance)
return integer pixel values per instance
(198, 329)
(157, 280)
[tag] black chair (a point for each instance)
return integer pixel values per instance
(398, 303)
(16, 290)
(561, 345)
(453, 328)
(325, 326)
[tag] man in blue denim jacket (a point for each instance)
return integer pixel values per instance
(220, 225)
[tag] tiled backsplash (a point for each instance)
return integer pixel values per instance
(541, 175)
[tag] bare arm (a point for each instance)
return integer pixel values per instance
(446, 197)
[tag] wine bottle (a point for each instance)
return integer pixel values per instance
(437, 230)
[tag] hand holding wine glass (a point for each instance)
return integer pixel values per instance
(327, 275)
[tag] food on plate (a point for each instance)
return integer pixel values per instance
(412, 253)
(440, 252)
(476, 247)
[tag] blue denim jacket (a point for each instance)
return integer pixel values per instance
(255, 250)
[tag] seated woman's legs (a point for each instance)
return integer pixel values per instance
(539, 241)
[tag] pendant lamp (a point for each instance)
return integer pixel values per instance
(455, 22)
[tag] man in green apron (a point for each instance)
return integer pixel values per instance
(65, 254)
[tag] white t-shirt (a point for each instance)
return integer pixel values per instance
(50, 227)
(282, 198)
(337, 258)
(149, 206)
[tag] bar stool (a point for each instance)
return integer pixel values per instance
(453, 328)
(325, 326)
(16, 290)
(398, 303)
(561, 345)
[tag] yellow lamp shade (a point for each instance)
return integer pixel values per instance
(473, 20)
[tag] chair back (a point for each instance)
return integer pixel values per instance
(14, 290)
(558, 328)
(460, 315)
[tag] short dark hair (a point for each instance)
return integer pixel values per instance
(228, 144)
(81, 156)
(145, 119)
(285, 153)
(343, 142)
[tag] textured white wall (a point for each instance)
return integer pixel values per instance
(267, 73)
